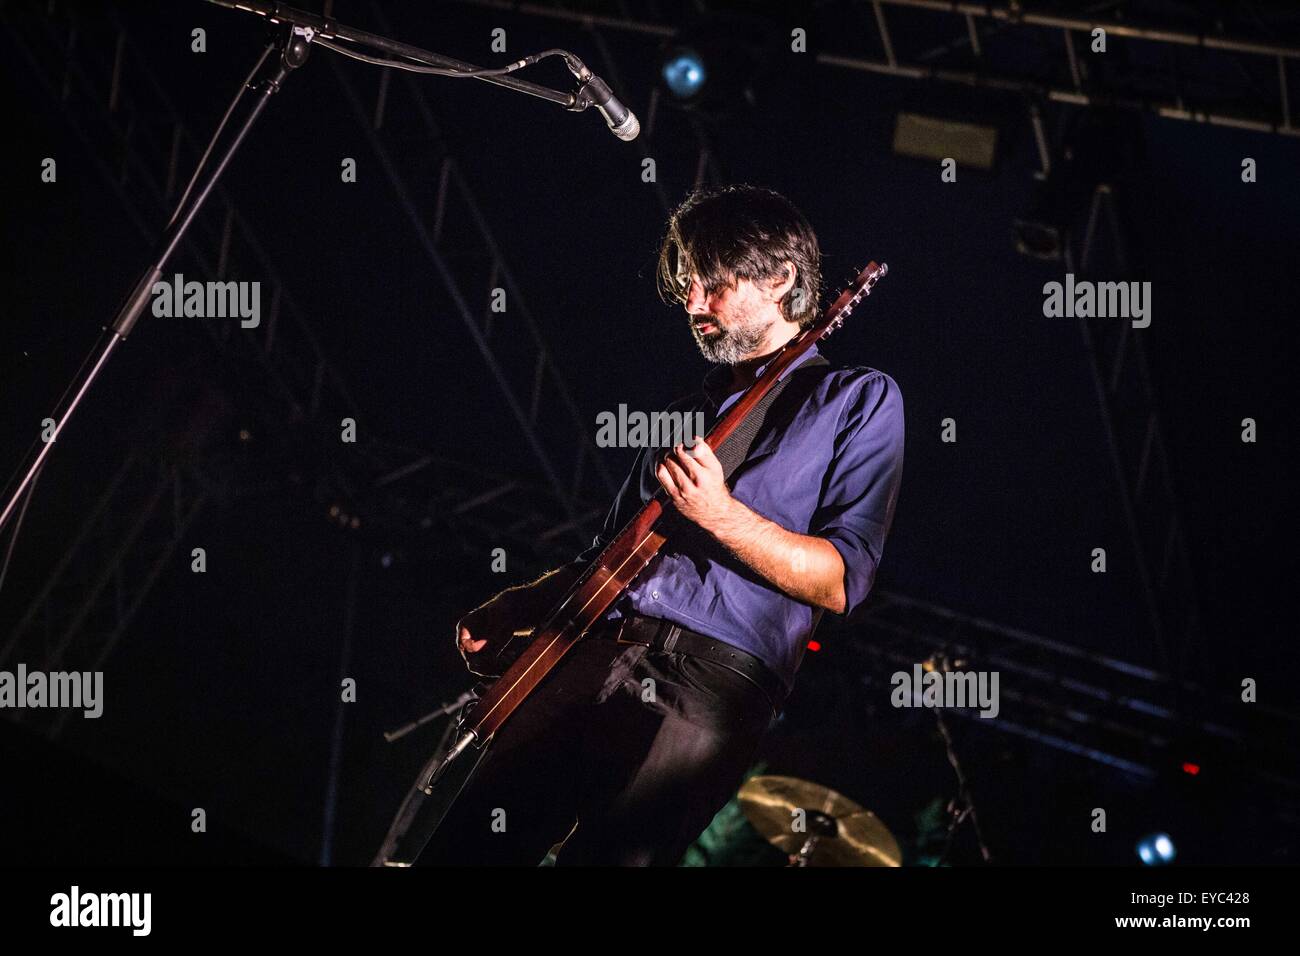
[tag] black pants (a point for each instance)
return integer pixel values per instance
(626, 750)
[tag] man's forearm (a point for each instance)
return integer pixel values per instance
(808, 568)
(513, 610)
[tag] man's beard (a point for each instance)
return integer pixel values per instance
(733, 344)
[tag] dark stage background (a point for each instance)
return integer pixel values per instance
(222, 688)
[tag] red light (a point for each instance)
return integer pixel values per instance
(1191, 768)
(814, 645)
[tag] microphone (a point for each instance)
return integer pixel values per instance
(621, 120)
(596, 92)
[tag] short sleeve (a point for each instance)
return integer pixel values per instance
(861, 486)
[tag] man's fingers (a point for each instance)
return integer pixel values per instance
(688, 466)
(680, 478)
(666, 479)
(467, 643)
(703, 453)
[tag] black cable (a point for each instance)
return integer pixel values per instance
(438, 70)
(203, 160)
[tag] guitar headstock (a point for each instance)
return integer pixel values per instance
(858, 289)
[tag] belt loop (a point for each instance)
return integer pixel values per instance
(671, 641)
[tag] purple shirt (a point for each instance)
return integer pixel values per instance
(832, 470)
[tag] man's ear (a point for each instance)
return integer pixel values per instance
(780, 284)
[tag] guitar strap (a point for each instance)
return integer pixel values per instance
(799, 382)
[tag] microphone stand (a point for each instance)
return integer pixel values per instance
(419, 817)
(400, 732)
(301, 29)
(961, 806)
(293, 53)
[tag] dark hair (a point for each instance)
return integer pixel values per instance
(742, 232)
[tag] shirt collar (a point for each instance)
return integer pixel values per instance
(717, 381)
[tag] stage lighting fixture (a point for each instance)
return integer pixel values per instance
(1040, 233)
(1099, 145)
(937, 138)
(716, 65)
(684, 73)
(1156, 849)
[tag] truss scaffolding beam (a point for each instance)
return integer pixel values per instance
(1097, 706)
(1007, 16)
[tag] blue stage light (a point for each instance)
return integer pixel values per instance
(684, 73)
(1156, 849)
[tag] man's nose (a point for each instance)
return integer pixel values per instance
(697, 303)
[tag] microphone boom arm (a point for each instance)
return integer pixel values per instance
(329, 29)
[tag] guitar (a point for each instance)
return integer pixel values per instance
(626, 555)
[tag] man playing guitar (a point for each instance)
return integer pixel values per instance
(645, 729)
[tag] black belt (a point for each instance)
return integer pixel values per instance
(664, 635)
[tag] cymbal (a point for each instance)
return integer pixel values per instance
(843, 833)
